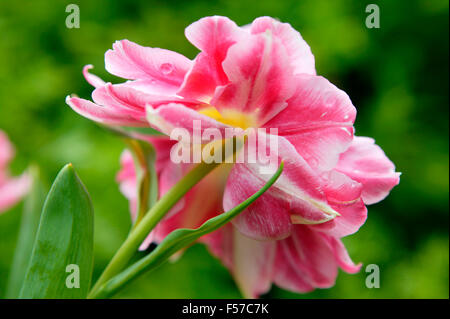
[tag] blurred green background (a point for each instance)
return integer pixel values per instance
(397, 77)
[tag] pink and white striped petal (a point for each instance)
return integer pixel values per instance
(344, 195)
(297, 196)
(106, 115)
(352, 217)
(341, 255)
(194, 208)
(366, 163)
(132, 61)
(167, 118)
(213, 36)
(253, 264)
(308, 253)
(126, 178)
(318, 121)
(92, 79)
(125, 96)
(299, 52)
(287, 275)
(258, 69)
(266, 218)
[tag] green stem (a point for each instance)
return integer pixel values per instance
(146, 180)
(176, 240)
(156, 213)
(149, 221)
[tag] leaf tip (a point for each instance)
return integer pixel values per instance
(68, 168)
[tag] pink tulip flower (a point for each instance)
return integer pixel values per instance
(310, 256)
(12, 189)
(258, 76)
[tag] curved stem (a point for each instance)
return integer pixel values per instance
(155, 214)
(176, 240)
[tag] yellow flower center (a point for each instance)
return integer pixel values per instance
(230, 117)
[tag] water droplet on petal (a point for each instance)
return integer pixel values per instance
(313, 162)
(166, 68)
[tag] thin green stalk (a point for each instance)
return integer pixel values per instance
(154, 215)
(149, 221)
(175, 241)
(144, 157)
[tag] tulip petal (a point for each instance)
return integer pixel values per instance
(309, 259)
(13, 189)
(92, 79)
(172, 116)
(105, 97)
(6, 151)
(297, 196)
(105, 115)
(213, 36)
(341, 189)
(267, 217)
(162, 145)
(151, 87)
(202, 80)
(126, 178)
(252, 264)
(318, 121)
(352, 217)
(366, 163)
(122, 96)
(220, 244)
(344, 195)
(310, 256)
(299, 52)
(288, 276)
(132, 61)
(194, 208)
(257, 68)
(168, 174)
(343, 259)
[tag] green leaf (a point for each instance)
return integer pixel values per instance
(175, 241)
(28, 227)
(62, 258)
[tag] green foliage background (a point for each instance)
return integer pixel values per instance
(397, 77)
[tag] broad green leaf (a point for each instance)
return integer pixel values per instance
(176, 240)
(28, 227)
(62, 258)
